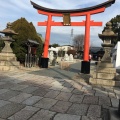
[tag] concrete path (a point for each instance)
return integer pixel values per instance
(59, 95)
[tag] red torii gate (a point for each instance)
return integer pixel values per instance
(77, 12)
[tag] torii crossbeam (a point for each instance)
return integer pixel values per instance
(72, 12)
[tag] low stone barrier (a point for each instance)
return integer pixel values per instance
(66, 64)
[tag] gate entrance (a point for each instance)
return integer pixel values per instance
(67, 14)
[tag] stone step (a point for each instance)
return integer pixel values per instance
(9, 63)
(104, 82)
(104, 76)
(7, 56)
(9, 68)
(106, 70)
(104, 65)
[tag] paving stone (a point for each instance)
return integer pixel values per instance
(46, 86)
(39, 81)
(104, 101)
(59, 80)
(17, 81)
(87, 87)
(117, 90)
(19, 87)
(45, 103)
(114, 115)
(89, 92)
(8, 95)
(1, 83)
(68, 85)
(90, 118)
(98, 88)
(66, 117)
(112, 95)
(115, 102)
(30, 89)
(7, 85)
(40, 92)
(20, 98)
(3, 103)
(9, 109)
(102, 93)
(19, 75)
(76, 98)
(32, 100)
(76, 91)
(90, 100)
(118, 96)
(48, 82)
(78, 109)
(3, 91)
(56, 83)
(65, 89)
(26, 83)
(52, 94)
(72, 82)
(2, 119)
(64, 96)
(69, 81)
(54, 87)
(61, 106)
(24, 114)
(7, 80)
(77, 86)
(94, 111)
(2, 78)
(108, 89)
(43, 115)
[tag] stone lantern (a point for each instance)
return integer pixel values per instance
(105, 73)
(108, 37)
(7, 39)
(7, 58)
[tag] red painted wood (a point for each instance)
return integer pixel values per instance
(92, 23)
(87, 38)
(47, 37)
(96, 11)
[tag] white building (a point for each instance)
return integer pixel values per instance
(65, 48)
(116, 56)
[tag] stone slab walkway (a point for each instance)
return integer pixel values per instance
(30, 96)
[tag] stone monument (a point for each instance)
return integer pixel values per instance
(66, 57)
(70, 57)
(7, 58)
(51, 57)
(105, 73)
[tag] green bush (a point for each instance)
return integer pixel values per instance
(25, 31)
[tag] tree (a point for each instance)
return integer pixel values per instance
(78, 42)
(115, 27)
(73, 52)
(55, 45)
(25, 31)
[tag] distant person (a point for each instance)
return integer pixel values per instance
(90, 57)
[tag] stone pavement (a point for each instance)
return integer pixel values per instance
(29, 96)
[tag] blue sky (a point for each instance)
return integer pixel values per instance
(11, 10)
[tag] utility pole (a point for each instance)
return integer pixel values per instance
(71, 36)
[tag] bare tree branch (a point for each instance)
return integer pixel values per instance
(78, 42)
